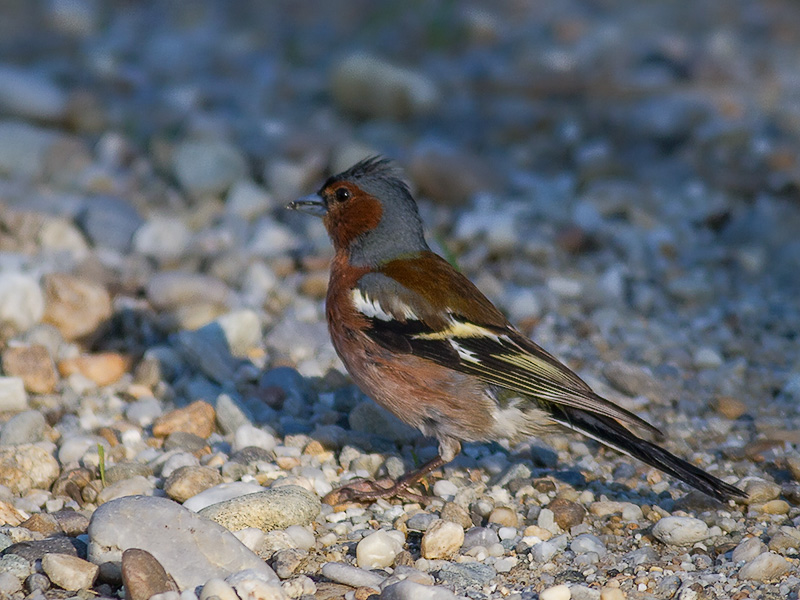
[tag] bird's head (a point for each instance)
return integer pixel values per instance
(369, 213)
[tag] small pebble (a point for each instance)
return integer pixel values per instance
(680, 531)
(379, 549)
(765, 567)
(441, 540)
(557, 592)
(69, 572)
(748, 549)
(271, 509)
(352, 576)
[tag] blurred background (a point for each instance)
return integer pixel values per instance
(597, 166)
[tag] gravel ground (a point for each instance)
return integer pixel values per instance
(621, 178)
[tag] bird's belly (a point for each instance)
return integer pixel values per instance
(439, 401)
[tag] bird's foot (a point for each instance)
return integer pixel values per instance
(364, 490)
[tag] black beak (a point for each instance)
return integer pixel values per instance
(311, 204)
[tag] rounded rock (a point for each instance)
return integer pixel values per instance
(220, 493)
(134, 486)
(208, 166)
(25, 427)
(30, 95)
(75, 306)
(758, 490)
(748, 549)
(557, 592)
(27, 466)
(190, 548)
(34, 365)
(352, 576)
(271, 509)
(680, 531)
(218, 588)
(21, 300)
(765, 567)
(186, 482)
(504, 516)
(442, 539)
(370, 86)
(143, 576)
(13, 397)
(566, 513)
(379, 549)
(197, 418)
(69, 572)
(411, 590)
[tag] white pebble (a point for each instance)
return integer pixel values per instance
(379, 549)
(765, 567)
(250, 435)
(504, 565)
(557, 592)
(442, 539)
(219, 588)
(507, 533)
(21, 300)
(301, 536)
(445, 489)
(680, 531)
(707, 358)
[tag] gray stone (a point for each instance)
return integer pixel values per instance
(352, 576)
(271, 509)
(765, 567)
(24, 149)
(231, 414)
(27, 466)
(170, 290)
(207, 349)
(420, 521)
(110, 222)
(220, 493)
(26, 94)
(191, 549)
(466, 575)
(479, 536)
(372, 87)
(410, 590)
(21, 298)
(9, 584)
(748, 549)
(16, 565)
(69, 572)
(33, 550)
(208, 166)
(248, 200)
(126, 470)
(162, 238)
(25, 428)
(588, 543)
(634, 380)
(135, 486)
(680, 531)
(13, 397)
(544, 551)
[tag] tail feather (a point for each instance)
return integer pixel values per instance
(614, 435)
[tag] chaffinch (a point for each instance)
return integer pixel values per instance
(422, 341)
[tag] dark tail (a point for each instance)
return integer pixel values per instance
(610, 433)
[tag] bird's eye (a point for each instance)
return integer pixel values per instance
(342, 194)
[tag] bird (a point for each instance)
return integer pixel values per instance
(420, 339)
